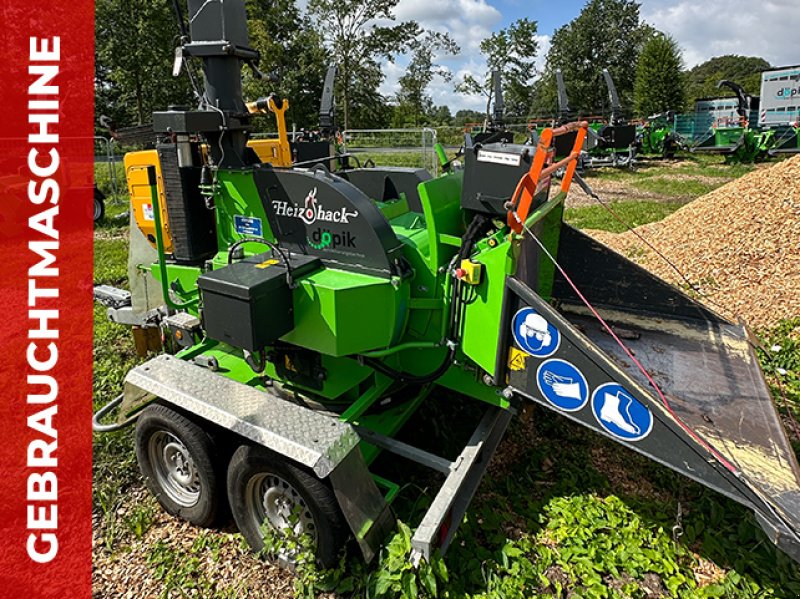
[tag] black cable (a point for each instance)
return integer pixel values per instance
(179, 15)
(477, 228)
(405, 377)
(240, 242)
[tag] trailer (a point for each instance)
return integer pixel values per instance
(739, 141)
(305, 322)
(780, 108)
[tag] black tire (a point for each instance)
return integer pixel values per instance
(250, 468)
(164, 441)
(99, 212)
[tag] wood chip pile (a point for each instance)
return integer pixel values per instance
(739, 245)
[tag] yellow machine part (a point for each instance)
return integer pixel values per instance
(272, 151)
(136, 164)
(269, 151)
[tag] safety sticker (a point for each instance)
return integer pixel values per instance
(147, 212)
(248, 225)
(562, 384)
(620, 413)
(534, 334)
(516, 359)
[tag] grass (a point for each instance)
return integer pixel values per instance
(678, 188)
(633, 213)
(399, 158)
(565, 513)
(694, 175)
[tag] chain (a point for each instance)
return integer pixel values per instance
(677, 528)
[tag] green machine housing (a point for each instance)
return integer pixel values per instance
(327, 316)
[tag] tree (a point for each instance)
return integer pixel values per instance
(292, 49)
(135, 48)
(357, 43)
(608, 34)
(440, 116)
(659, 80)
(413, 101)
(466, 115)
(745, 70)
(512, 51)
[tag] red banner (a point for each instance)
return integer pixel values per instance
(46, 178)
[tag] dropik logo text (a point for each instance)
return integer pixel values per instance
(788, 92)
(322, 238)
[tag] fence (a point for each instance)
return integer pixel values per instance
(106, 159)
(394, 147)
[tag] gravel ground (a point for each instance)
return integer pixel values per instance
(611, 191)
(739, 244)
(209, 562)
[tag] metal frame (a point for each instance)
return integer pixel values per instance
(320, 442)
(464, 474)
(451, 502)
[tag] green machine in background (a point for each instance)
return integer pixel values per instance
(610, 141)
(657, 136)
(740, 143)
(787, 140)
(306, 320)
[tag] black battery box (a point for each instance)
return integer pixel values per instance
(248, 304)
(491, 174)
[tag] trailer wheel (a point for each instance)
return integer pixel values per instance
(176, 458)
(266, 490)
(99, 211)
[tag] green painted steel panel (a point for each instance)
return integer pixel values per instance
(727, 136)
(481, 331)
(482, 320)
(340, 313)
(237, 196)
(441, 204)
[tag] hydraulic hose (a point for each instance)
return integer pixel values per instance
(477, 228)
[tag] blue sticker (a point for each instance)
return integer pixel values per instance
(534, 334)
(562, 384)
(620, 413)
(248, 225)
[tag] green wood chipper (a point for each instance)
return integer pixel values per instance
(305, 321)
(610, 141)
(657, 136)
(737, 143)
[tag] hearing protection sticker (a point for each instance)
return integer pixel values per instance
(562, 384)
(533, 334)
(248, 225)
(621, 414)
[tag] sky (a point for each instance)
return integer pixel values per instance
(702, 28)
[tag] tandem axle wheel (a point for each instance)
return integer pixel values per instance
(267, 494)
